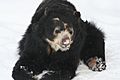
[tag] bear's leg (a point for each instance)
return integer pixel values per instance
(93, 52)
(25, 69)
(20, 71)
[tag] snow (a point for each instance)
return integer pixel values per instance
(15, 16)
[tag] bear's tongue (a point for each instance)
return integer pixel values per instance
(65, 42)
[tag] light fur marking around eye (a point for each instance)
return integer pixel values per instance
(57, 19)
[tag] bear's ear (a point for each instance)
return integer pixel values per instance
(77, 14)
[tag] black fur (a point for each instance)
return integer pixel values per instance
(88, 42)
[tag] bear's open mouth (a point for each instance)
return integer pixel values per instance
(65, 42)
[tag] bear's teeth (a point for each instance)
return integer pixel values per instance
(66, 42)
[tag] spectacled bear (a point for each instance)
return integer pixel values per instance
(56, 41)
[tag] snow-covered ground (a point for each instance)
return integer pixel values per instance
(15, 16)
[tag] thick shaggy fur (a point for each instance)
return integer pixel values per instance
(88, 44)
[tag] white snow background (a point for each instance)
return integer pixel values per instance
(15, 16)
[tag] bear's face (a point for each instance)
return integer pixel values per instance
(61, 37)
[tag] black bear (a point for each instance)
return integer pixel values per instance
(56, 41)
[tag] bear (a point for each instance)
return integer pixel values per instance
(56, 40)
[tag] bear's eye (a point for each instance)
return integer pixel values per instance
(70, 31)
(57, 31)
